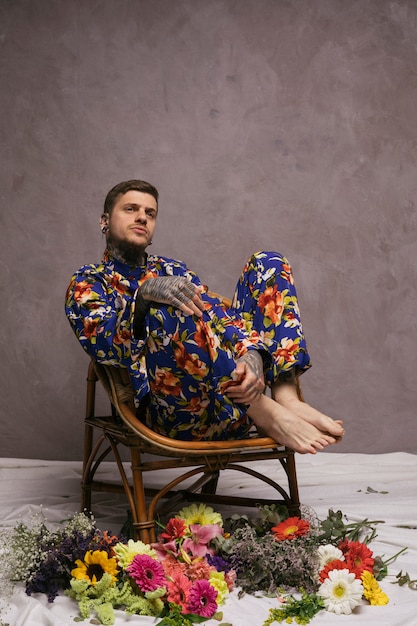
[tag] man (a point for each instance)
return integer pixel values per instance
(198, 368)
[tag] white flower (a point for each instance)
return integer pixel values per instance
(329, 553)
(341, 591)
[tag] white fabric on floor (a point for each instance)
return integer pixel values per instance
(327, 480)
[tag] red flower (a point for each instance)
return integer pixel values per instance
(358, 557)
(174, 529)
(336, 564)
(291, 528)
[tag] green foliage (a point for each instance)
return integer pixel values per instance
(405, 579)
(174, 617)
(334, 528)
(104, 596)
(300, 610)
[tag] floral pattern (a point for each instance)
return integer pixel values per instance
(180, 370)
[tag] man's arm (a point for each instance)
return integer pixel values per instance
(176, 291)
(101, 317)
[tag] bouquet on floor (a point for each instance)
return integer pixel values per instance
(184, 578)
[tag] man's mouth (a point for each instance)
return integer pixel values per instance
(140, 230)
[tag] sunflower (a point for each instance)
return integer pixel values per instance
(200, 514)
(95, 564)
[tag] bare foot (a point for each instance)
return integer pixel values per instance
(287, 428)
(286, 395)
(319, 420)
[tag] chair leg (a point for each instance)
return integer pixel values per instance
(144, 528)
(292, 484)
(88, 439)
(86, 482)
(211, 486)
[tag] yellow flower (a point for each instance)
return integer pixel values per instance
(372, 591)
(95, 564)
(200, 514)
(126, 552)
(217, 581)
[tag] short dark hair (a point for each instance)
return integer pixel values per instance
(129, 185)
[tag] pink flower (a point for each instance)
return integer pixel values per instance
(163, 549)
(147, 573)
(171, 564)
(230, 578)
(197, 544)
(198, 569)
(202, 600)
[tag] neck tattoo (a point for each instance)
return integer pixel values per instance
(127, 252)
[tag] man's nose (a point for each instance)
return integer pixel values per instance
(141, 217)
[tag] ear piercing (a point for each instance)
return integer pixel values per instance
(104, 229)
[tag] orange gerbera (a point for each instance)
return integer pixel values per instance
(179, 587)
(291, 528)
(336, 564)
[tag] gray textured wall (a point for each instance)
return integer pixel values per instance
(277, 124)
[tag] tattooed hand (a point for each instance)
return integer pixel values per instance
(174, 290)
(250, 378)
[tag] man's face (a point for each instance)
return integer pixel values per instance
(133, 219)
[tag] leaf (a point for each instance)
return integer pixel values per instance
(370, 490)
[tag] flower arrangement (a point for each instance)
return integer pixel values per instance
(199, 558)
(324, 561)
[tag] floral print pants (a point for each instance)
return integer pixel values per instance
(189, 360)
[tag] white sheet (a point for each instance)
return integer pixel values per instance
(327, 480)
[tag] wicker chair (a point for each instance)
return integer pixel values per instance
(150, 451)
